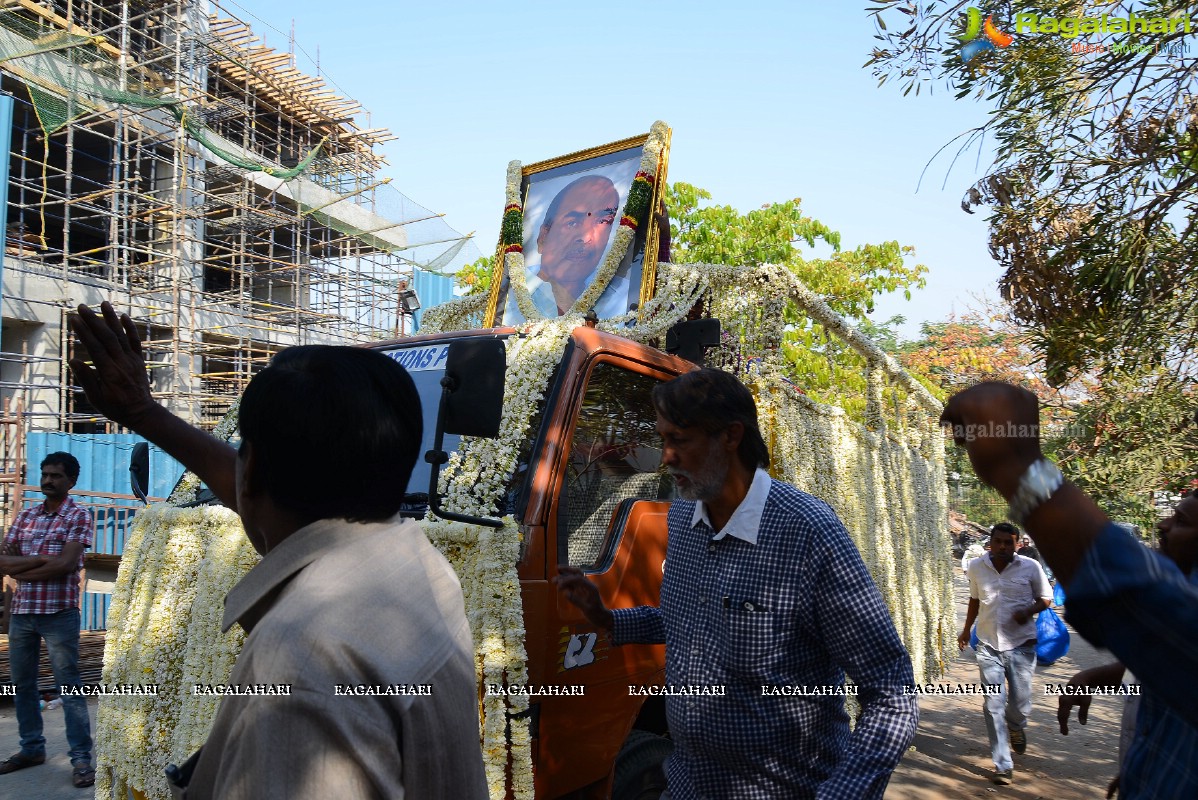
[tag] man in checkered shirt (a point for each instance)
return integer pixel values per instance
(765, 595)
(43, 551)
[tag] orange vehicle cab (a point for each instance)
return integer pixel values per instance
(589, 491)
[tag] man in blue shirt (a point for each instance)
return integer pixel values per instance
(1167, 773)
(765, 596)
(1121, 596)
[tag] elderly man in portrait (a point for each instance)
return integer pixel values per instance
(346, 592)
(570, 243)
(762, 588)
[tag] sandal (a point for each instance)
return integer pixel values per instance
(20, 761)
(83, 776)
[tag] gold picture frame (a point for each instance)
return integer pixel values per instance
(580, 231)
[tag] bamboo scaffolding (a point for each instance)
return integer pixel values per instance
(120, 199)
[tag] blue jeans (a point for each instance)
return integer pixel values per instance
(61, 632)
(1011, 670)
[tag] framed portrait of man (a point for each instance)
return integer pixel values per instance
(571, 211)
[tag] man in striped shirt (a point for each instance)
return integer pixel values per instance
(43, 551)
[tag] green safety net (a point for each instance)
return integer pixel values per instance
(60, 40)
(70, 75)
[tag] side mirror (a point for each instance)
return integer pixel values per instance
(139, 470)
(471, 405)
(474, 403)
(691, 338)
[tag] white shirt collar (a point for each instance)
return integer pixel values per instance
(542, 296)
(612, 303)
(746, 519)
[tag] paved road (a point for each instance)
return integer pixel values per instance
(951, 755)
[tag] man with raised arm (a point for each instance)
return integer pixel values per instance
(1179, 542)
(1121, 596)
(346, 594)
(765, 597)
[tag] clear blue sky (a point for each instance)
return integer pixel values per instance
(767, 101)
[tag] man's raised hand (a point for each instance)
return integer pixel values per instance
(115, 382)
(999, 424)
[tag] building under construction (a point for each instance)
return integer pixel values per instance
(163, 158)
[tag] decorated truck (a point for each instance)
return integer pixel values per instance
(542, 452)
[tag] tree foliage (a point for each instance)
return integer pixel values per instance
(1093, 212)
(849, 280)
(475, 278)
(1121, 437)
(1134, 436)
(958, 352)
(774, 234)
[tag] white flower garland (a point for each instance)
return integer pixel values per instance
(513, 259)
(485, 561)
(176, 564)
(477, 473)
(210, 655)
(464, 313)
(881, 488)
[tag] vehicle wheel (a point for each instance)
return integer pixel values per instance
(640, 772)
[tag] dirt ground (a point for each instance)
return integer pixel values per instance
(951, 755)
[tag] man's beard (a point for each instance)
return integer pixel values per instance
(705, 483)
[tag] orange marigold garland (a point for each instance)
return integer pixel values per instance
(512, 230)
(640, 195)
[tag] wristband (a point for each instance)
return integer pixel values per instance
(1038, 483)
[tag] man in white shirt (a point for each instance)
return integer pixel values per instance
(1006, 591)
(573, 238)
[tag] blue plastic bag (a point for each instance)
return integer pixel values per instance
(1052, 637)
(1058, 595)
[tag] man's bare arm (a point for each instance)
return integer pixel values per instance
(116, 383)
(1024, 614)
(16, 565)
(1106, 676)
(1063, 526)
(64, 563)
